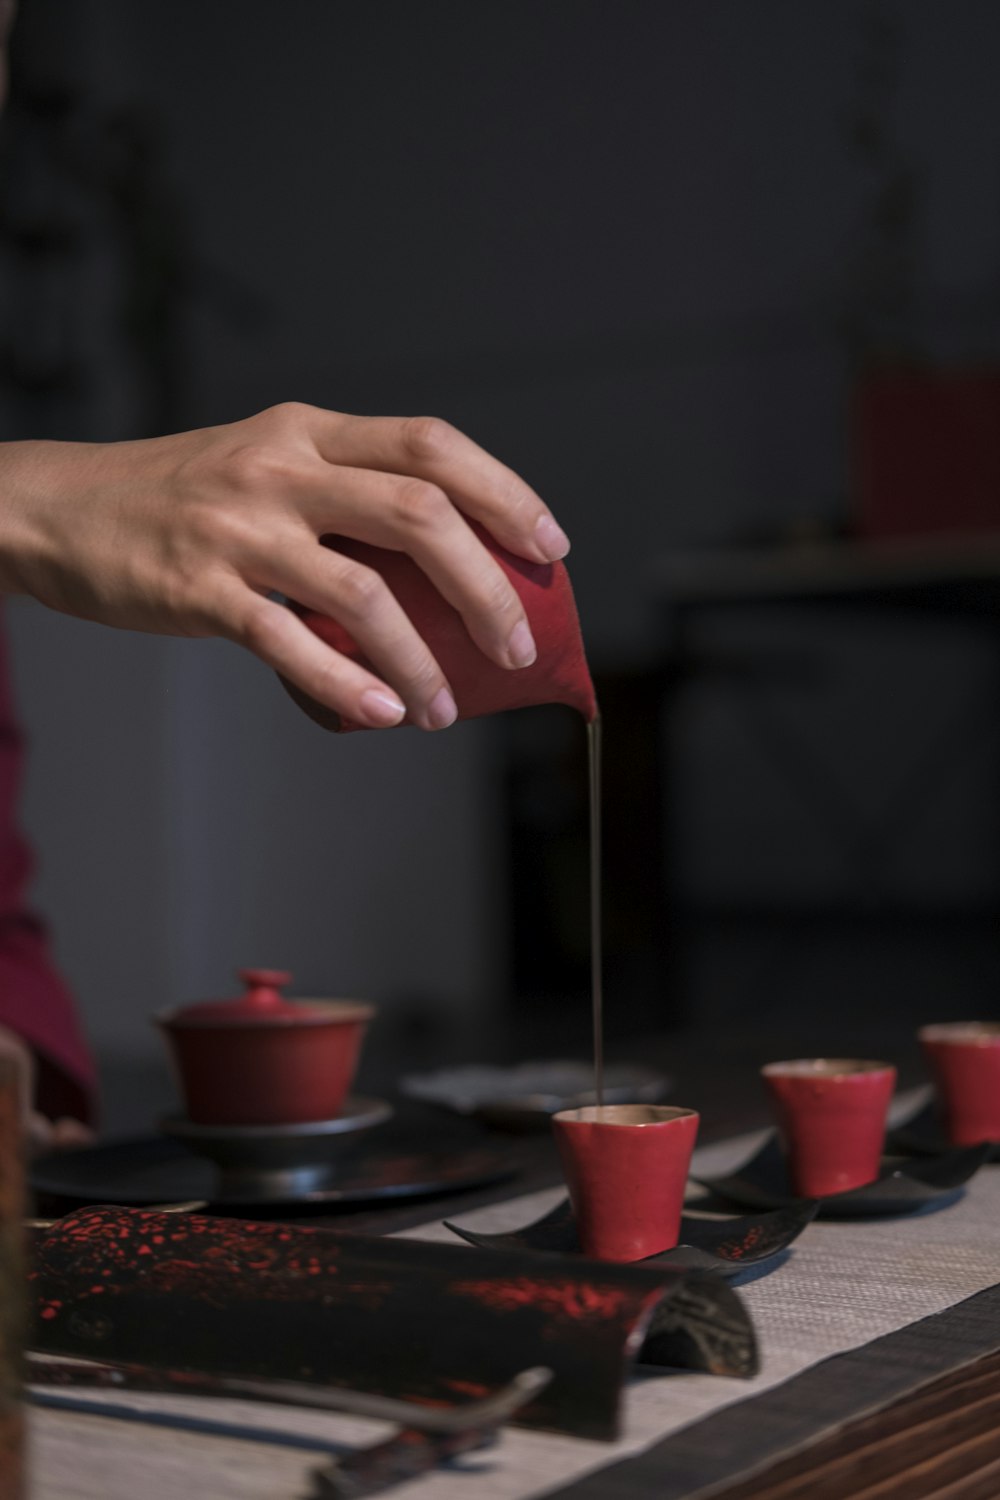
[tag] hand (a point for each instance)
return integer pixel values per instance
(186, 535)
(42, 1134)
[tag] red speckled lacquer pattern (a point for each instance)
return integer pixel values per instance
(568, 1299)
(740, 1249)
(400, 1317)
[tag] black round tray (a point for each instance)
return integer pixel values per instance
(153, 1170)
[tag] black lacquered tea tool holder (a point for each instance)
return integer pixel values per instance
(402, 1318)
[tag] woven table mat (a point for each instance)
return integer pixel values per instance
(843, 1286)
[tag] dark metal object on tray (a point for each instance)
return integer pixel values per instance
(923, 1134)
(405, 1318)
(901, 1186)
(12, 1296)
(723, 1247)
(277, 1163)
(404, 1456)
(428, 1435)
(151, 1170)
(424, 1445)
(525, 1097)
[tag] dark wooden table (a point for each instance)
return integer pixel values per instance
(942, 1443)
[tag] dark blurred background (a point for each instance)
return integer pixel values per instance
(723, 282)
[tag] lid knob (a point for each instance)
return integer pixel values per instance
(264, 987)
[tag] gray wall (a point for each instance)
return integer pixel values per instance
(617, 243)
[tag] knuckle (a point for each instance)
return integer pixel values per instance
(428, 438)
(518, 502)
(424, 676)
(421, 506)
(325, 684)
(287, 413)
(184, 601)
(213, 531)
(499, 597)
(256, 630)
(258, 466)
(360, 590)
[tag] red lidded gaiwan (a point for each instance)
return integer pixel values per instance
(264, 1060)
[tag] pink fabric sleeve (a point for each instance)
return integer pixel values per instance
(34, 1000)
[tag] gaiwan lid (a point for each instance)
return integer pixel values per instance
(261, 1003)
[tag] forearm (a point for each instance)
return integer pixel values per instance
(21, 466)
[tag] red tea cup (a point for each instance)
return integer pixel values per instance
(262, 1059)
(626, 1167)
(964, 1059)
(558, 675)
(832, 1117)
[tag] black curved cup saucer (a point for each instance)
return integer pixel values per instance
(923, 1134)
(901, 1187)
(725, 1247)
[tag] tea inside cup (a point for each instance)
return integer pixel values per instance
(624, 1114)
(831, 1114)
(626, 1167)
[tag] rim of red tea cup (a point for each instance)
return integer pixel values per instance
(832, 1068)
(962, 1033)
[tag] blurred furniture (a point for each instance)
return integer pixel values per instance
(925, 538)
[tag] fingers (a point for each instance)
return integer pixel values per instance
(283, 642)
(56, 1135)
(427, 448)
(70, 1135)
(41, 1133)
(416, 517)
(358, 598)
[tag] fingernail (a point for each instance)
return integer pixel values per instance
(441, 710)
(381, 710)
(552, 539)
(521, 646)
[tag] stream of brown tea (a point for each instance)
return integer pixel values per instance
(596, 957)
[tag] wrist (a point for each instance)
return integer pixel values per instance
(36, 478)
(21, 488)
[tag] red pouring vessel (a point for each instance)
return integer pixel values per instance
(559, 675)
(626, 1167)
(832, 1116)
(264, 1060)
(964, 1058)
